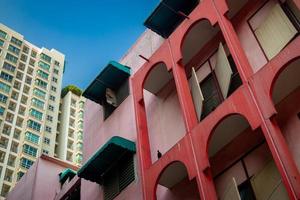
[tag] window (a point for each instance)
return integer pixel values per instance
(118, 177)
(4, 87)
(33, 54)
(55, 71)
(3, 98)
(26, 163)
(50, 107)
(42, 74)
(16, 41)
(49, 118)
(53, 88)
(31, 137)
(37, 103)
(9, 67)
(274, 31)
(213, 82)
(25, 49)
(6, 77)
(45, 152)
(47, 141)
(29, 150)
(11, 58)
(14, 49)
(44, 65)
(54, 79)
(34, 125)
(56, 63)
(46, 58)
(1, 43)
(81, 104)
(41, 83)
(48, 129)
(81, 114)
(36, 114)
(23, 58)
(2, 110)
(52, 98)
(20, 175)
(39, 93)
(31, 62)
(80, 125)
(3, 34)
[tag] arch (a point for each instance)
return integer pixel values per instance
(286, 76)
(228, 120)
(157, 75)
(202, 29)
(173, 174)
(236, 152)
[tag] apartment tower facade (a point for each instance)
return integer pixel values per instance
(69, 139)
(30, 86)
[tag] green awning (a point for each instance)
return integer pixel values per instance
(67, 173)
(112, 76)
(166, 17)
(94, 169)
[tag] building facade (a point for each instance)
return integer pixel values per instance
(69, 139)
(205, 108)
(30, 85)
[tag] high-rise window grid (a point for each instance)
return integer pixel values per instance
(6, 76)
(16, 41)
(27, 149)
(37, 103)
(29, 136)
(42, 74)
(4, 87)
(26, 163)
(36, 114)
(9, 67)
(41, 83)
(34, 125)
(39, 93)
(14, 49)
(11, 58)
(3, 34)
(46, 58)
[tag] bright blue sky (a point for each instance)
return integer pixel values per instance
(89, 32)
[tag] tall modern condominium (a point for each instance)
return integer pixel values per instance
(30, 86)
(69, 137)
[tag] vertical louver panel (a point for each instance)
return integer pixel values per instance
(268, 182)
(223, 71)
(196, 94)
(126, 173)
(232, 192)
(119, 177)
(275, 32)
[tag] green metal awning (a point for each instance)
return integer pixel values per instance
(112, 76)
(94, 169)
(166, 17)
(67, 173)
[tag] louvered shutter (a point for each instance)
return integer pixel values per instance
(223, 71)
(232, 192)
(196, 94)
(267, 184)
(275, 32)
(126, 173)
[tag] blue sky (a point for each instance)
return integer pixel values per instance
(89, 32)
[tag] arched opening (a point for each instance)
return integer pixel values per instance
(209, 66)
(174, 184)
(164, 117)
(285, 96)
(241, 163)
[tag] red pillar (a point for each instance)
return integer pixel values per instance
(235, 47)
(282, 157)
(144, 152)
(206, 185)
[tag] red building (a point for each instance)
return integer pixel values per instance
(209, 112)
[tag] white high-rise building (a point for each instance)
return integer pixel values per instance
(30, 86)
(70, 126)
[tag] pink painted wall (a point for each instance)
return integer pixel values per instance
(40, 182)
(289, 122)
(164, 117)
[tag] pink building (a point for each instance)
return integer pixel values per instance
(207, 107)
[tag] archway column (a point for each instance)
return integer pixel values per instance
(185, 97)
(234, 45)
(282, 157)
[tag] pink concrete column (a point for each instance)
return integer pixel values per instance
(282, 157)
(206, 185)
(185, 97)
(235, 47)
(143, 145)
